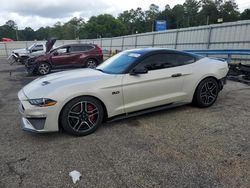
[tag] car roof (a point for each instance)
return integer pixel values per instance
(144, 51)
(82, 44)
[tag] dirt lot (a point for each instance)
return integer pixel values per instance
(182, 147)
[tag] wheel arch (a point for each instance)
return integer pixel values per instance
(206, 77)
(46, 61)
(94, 58)
(105, 115)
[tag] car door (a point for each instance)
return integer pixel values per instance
(37, 47)
(37, 50)
(77, 55)
(80, 55)
(162, 84)
(62, 57)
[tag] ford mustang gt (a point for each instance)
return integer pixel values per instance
(130, 83)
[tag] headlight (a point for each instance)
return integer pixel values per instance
(42, 102)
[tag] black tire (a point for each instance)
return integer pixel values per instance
(43, 68)
(206, 93)
(82, 116)
(91, 63)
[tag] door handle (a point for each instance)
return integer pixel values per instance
(176, 75)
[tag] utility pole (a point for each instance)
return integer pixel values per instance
(16, 33)
(207, 19)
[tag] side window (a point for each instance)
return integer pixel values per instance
(37, 48)
(153, 62)
(62, 50)
(184, 59)
(90, 47)
(78, 48)
(166, 60)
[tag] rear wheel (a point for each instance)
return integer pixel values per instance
(206, 93)
(82, 116)
(43, 68)
(91, 63)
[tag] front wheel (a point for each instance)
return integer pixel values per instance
(91, 63)
(43, 68)
(206, 93)
(82, 116)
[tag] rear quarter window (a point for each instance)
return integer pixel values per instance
(185, 59)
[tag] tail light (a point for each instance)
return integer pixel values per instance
(99, 50)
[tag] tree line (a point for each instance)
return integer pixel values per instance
(190, 13)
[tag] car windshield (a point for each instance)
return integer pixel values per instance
(118, 63)
(29, 48)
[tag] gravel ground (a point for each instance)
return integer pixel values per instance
(181, 147)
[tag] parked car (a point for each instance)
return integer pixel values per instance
(130, 83)
(6, 40)
(36, 49)
(67, 56)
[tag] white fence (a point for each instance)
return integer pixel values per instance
(232, 35)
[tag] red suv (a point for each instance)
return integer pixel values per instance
(67, 56)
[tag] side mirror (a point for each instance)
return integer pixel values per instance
(136, 71)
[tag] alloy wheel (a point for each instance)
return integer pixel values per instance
(43, 69)
(91, 64)
(208, 93)
(83, 116)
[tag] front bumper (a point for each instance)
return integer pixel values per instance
(37, 119)
(12, 58)
(37, 127)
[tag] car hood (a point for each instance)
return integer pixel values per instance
(49, 44)
(21, 51)
(46, 85)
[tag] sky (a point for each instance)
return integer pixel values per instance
(36, 14)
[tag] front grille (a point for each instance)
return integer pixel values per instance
(37, 123)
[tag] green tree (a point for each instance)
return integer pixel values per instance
(71, 29)
(9, 30)
(229, 11)
(167, 15)
(245, 15)
(178, 13)
(42, 33)
(104, 25)
(209, 12)
(127, 19)
(151, 15)
(27, 34)
(11, 24)
(56, 31)
(133, 20)
(191, 8)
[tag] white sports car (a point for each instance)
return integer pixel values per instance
(130, 83)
